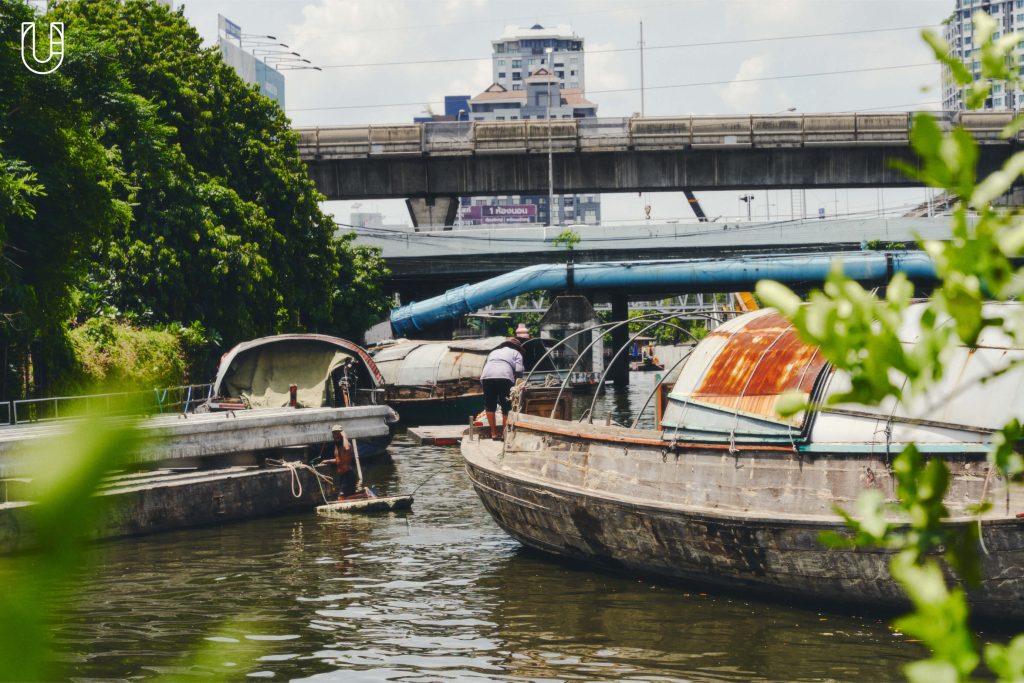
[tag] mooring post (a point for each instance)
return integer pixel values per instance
(620, 335)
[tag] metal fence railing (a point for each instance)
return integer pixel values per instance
(150, 402)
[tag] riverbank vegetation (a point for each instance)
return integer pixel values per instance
(144, 183)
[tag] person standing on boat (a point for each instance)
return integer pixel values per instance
(504, 364)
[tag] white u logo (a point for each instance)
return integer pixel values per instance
(56, 56)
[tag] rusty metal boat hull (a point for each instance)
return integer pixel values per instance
(621, 505)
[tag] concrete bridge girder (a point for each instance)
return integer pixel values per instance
(426, 176)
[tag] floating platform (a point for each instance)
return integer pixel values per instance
(376, 504)
(438, 435)
(138, 503)
(202, 469)
(169, 438)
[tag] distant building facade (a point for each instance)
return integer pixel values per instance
(531, 83)
(958, 31)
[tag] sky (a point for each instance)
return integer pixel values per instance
(700, 57)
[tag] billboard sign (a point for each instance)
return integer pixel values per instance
(498, 215)
(230, 28)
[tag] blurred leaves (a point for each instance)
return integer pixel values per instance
(858, 332)
(66, 474)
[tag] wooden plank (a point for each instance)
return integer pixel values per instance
(438, 435)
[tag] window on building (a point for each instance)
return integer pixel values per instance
(501, 62)
(501, 74)
(560, 74)
(997, 102)
(516, 76)
(499, 48)
(499, 118)
(517, 63)
(572, 72)
(517, 86)
(513, 118)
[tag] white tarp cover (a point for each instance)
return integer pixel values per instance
(262, 375)
(425, 363)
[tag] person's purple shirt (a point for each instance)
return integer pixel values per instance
(503, 363)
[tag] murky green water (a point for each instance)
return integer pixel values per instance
(439, 593)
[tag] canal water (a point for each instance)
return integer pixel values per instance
(438, 593)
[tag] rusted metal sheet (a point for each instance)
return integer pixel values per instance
(745, 365)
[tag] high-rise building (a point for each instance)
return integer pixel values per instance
(958, 31)
(538, 74)
(520, 51)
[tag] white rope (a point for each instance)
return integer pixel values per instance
(296, 481)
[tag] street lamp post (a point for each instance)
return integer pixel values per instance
(551, 163)
(747, 199)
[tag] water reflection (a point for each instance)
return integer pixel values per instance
(439, 593)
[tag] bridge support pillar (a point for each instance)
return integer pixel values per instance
(619, 372)
(430, 212)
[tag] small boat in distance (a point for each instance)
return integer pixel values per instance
(301, 371)
(726, 492)
(438, 382)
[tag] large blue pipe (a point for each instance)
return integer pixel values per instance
(725, 275)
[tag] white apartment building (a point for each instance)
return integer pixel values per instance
(520, 51)
(959, 33)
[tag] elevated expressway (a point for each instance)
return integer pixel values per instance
(433, 164)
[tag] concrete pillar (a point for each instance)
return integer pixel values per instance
(619, 372)
(433, 211)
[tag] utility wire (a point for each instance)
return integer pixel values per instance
(715, 43)
(654, 87)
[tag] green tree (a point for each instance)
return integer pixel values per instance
(227, 230)
(858, 332)
(61, 191)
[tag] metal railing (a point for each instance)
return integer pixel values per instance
(149, 402)
(639, 133)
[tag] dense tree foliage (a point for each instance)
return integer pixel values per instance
(145, 180)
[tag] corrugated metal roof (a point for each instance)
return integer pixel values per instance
(730, 385)
(745, 365)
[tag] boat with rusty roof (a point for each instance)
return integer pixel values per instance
(725, 491)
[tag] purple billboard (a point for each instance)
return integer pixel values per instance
(493, 215)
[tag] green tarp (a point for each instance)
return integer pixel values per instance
(261, 376)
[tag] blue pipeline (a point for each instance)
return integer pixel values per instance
(681, 276)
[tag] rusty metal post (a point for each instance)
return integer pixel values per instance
(293, 392)
(620, 336)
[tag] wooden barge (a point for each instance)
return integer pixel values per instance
(728, 493)
(189, 471)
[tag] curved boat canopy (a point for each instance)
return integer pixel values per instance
(729, 387)
(261, 371)
(410, 362)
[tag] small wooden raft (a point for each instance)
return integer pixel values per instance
(438, 435)
(376, 504)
